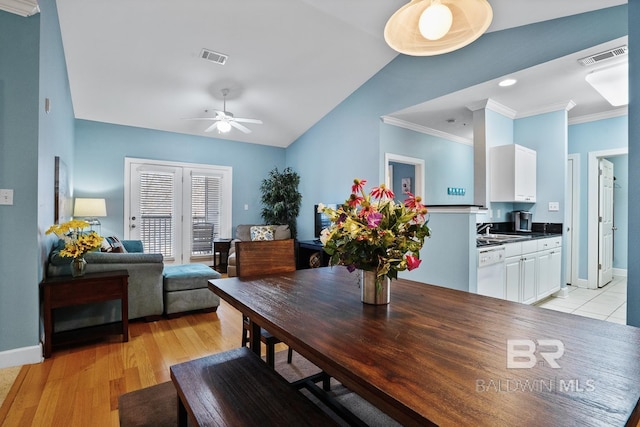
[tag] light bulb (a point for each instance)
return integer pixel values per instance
(224, 126)
(435, 22)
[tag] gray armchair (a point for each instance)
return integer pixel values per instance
(243, 233)
(145, 285)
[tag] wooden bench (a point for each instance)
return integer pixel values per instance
(236, 388)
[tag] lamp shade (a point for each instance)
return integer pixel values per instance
(471, 18)
(89, 208)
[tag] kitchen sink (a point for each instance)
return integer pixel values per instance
(501, 238)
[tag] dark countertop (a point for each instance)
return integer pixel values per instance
(535, 235)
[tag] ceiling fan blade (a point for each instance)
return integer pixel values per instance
(213, 127)
(220, 114)
(243, 120)
(239, 126)
(201, 118)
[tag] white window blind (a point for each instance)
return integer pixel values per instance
(206, 200)
(157, 208)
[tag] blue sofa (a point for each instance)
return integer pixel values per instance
(145, 285)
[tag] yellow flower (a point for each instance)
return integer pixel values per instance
(77, 242)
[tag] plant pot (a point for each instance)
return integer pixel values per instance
(78, 266)
(371, 292)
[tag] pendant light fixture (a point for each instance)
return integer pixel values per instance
(434, 27)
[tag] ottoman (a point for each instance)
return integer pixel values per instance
(185, 288)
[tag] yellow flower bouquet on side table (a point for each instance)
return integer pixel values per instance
(77, 242)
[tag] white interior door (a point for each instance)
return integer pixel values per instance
(605, 223)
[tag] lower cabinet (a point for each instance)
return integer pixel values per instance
(533, 269)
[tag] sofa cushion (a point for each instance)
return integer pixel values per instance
(112, 244)
(281, 232)
(262, 232)
(187, 276)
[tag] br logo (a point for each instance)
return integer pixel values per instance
(521, 354)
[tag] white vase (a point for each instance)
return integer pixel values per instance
(372, 292)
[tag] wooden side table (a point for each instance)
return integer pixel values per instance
(67, 291)
(221, 246)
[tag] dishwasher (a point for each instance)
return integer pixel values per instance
(491, 273)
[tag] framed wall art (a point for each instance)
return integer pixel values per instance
(62, 196)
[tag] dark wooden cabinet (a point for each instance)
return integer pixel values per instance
(67, 291)
(311, 255)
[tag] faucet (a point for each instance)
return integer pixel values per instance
(484, 227)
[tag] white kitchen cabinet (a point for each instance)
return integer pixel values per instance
(533, 269)
(548, 273)
(512, 173)
(520, 272)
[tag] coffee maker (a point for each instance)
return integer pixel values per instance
(522, 221)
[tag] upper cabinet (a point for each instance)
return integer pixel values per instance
(513, 174)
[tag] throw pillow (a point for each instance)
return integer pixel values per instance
(113, 245)
(262, 232)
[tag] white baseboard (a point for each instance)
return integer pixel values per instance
(620, 272)
(562, 293)
(21, 356)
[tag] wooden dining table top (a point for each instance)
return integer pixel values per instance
(438, 356)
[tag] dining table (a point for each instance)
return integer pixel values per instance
(439, 356)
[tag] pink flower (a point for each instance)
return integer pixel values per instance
(413, 202)
(358, 185)
(373, 219)
(413, 262)
(354, 200)
(382, 191)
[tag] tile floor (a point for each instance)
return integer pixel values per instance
(607, 303)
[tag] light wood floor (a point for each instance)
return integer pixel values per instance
(80, 386)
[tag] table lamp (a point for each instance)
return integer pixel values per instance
(90, 209)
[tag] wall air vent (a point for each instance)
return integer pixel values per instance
(603, 56)
(209, 55)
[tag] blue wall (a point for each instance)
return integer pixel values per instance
(100, 150)
(446, 163)
(633, 273)
(19, 255)
(598, 136)
(547, 135)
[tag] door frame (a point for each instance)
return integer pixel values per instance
(572, 245)
(414, 161)
(592, 211)
(227, 190)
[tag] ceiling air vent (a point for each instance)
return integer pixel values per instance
(603, 56)
(209, 55)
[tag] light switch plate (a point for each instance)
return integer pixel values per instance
(554, 206)
(6, 197)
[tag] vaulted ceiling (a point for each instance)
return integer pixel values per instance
(290, 62)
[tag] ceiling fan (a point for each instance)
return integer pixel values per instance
(224, 120)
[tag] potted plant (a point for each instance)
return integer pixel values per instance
(281, 199)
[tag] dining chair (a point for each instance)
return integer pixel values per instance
(255, 258)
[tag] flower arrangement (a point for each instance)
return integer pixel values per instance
(372, 232)
(77, 242)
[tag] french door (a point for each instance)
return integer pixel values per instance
(177, 209)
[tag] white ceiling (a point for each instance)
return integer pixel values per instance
(290, 62)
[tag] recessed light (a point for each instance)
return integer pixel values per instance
(507, 82)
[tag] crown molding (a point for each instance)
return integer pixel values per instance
(618, 112)
(565, 105)
(494, 106)
(424, 129)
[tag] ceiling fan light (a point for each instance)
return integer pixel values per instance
(435, 22)
(224, 126)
